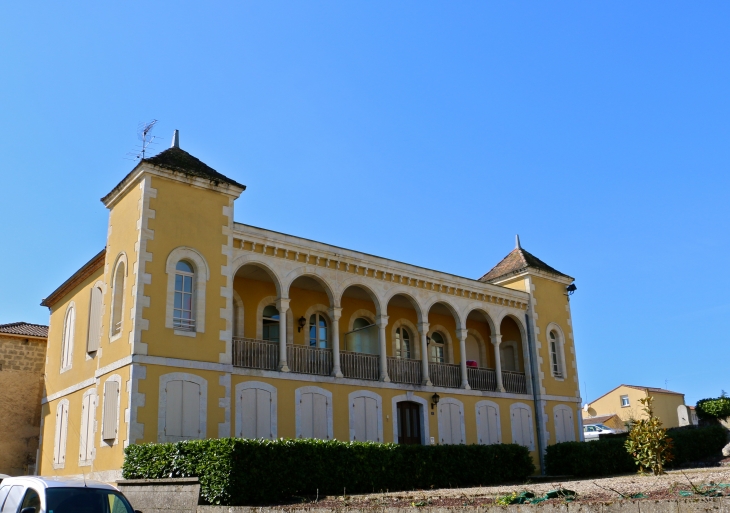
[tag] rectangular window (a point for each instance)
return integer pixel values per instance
(624, 400)
(111, 416)
(182, 316)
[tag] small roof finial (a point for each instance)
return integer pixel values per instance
(175, 139)
(517, 242)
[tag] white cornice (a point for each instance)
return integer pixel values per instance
(531, 271)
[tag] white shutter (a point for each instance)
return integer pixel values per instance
(63, 435)
(256, 418)
(307, 410)
(57, 435)
(358, 414)
(248, 413)
(191, 410)
(526, 424)
(455, 419)
(493, 422)
(517, 426)
(94, 334)
(174, 408)
(444, 425)
(68, 337)
(564, 430)
(263, 414)
(559, 427)
(110, 415)
(319, 416)
(371, 419)
(86, 442)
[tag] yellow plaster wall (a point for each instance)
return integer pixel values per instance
(185, 216)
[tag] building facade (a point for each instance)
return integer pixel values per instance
(190, 325)
(623, 401)
(22, 362)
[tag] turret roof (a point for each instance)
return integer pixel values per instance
(517, 261)
(180, 161)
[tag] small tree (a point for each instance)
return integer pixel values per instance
(648, 442)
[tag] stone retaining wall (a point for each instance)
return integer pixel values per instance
(179, 495)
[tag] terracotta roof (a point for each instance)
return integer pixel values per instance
(180, 161)
(598, 419)
(516, 262)
(25, 329)
(86, 270)
(655, 390)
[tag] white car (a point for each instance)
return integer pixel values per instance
(593, 431)
(60, 495)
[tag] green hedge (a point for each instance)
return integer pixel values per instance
(715, 408)
(237, 472)
(609, 456)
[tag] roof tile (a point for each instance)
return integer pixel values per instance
(517, 261)
(25, 329)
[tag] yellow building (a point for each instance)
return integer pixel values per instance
(623, 401)
(190, 325)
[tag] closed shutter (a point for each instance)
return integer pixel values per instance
(256, 413)
(564, 430)
(488, 424)
(526, 424)
(521, 426)
(365, 419)
(455, 419)
(62, 434)
(559, 428)
(444, 425)
(174, 408)
(313, 412)
(68, 336)
(86, 444)
(94, 334)
(110, 415)
(191, 410)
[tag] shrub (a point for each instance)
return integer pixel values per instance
(608, 456)
(648, 442)
(712, 409)
(236, 472)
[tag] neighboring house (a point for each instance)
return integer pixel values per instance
(22, 359)
(612, 421)
(623, 401)
(190, 325)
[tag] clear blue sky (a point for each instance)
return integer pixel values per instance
(427, 132)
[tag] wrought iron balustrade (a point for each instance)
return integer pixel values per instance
(405, 370)
(255, 354)
(445, 375)
(309, 360)
(360, 365)
(482, 379)
(514, 382)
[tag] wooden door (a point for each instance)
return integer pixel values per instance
(409, 423)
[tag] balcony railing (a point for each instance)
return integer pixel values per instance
(404, 370)
(359, 365)
(482, 379)
(255, 354)
(309, 360)
(514, 382)
(445, 375)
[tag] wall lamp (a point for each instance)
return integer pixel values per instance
(434, 400)
(570, 289)
(302, 321)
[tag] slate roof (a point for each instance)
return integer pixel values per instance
(180, 161)
(516, 262)
(655, 390)
(25, 329)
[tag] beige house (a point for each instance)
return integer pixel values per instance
(22, 360)
(623, 401)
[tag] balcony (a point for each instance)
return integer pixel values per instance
(264, 354)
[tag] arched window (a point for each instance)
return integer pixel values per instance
(67, 343)
(437, 347)
(183, 315)
(555, 359)
(402, 343)
(360, 323)
(318, 331)
(271, 324)
(508, 355)
(118, 299)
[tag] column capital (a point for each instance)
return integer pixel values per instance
(282, 304)
(496, 339)
(423, 327)
(335, 313)
(381, 321)
(461, 334)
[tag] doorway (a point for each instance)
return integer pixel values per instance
(409, 423)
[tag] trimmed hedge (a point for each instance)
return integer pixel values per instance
(235, 472)
(714, 408)
(608, 456)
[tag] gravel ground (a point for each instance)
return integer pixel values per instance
(599, 489)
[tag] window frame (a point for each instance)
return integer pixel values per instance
(274, 322)
(202, 275)
(318, 315)
(628, 401)
(177, 322)
(432, 344)
(116, 316)
(399, 339)
(67, 337)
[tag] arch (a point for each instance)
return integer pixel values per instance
(415, 337)
(163, 404)
(562, 364)
(300, 415)
(238, 315)
(447, 338)
(69, 334)
(460, 323)
(405, 292)
(309, 271)
(411, 397)
(247, 385)
(446, 422)
(271, 300)
(476, 307)
(525, 362)
(357, 281)
(201, 274)
(485, 425)
(255, 260)
(353, 420)
(365, 314)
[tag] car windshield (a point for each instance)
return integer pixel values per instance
(85, 500)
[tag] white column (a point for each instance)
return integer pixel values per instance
(382, 322)
(282, 304)
(462, 351)
(423, 331)
(335, 314)
(496, 341)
